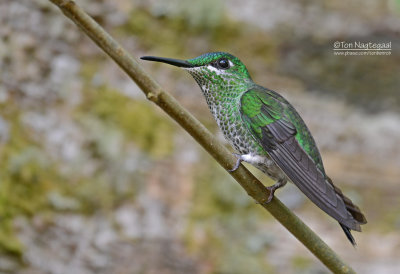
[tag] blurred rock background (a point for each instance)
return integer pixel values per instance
(95, 179)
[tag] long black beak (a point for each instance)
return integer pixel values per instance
(174, 62)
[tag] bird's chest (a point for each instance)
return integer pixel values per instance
(235, 131)
(229, 120)
(227, 115)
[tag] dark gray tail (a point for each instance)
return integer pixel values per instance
(353, 210)
(348, 234)
(357, 215)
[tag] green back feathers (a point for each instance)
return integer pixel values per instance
(261, 107)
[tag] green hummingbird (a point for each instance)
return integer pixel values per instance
(267, 132)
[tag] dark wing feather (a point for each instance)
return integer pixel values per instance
(278, 137)
(302, 171)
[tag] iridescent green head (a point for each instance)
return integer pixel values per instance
(214, 72)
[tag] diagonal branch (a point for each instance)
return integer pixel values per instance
(156, 94)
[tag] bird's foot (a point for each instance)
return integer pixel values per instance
(238, 161)
(273, 188)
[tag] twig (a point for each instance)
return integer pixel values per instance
(156, 94)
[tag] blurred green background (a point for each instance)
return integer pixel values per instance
(95, 179)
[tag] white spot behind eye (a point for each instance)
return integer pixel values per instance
(230, 63)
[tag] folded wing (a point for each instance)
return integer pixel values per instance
(269, 117)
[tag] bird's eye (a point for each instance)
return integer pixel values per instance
(223, 63)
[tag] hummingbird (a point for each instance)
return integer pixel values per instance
(266, 131)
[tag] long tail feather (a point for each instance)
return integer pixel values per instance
(348, 234)
(352, 208)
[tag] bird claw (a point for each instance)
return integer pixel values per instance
(271, 195)
(239, 160)
(273, 188)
